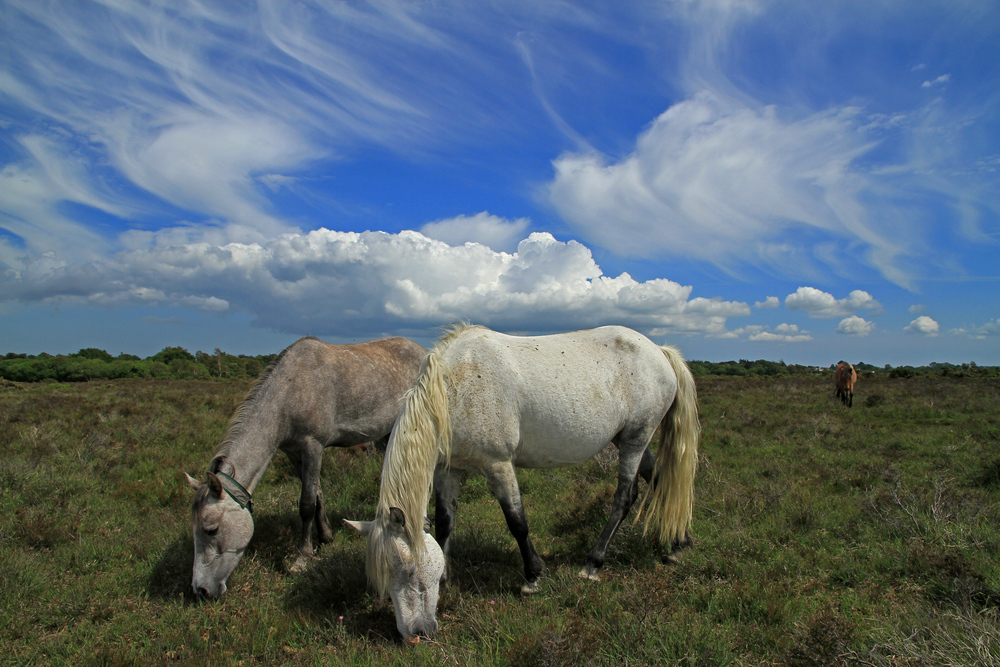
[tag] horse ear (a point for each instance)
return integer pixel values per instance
(397, 517)
(215, 485)
(363, 527)
(220, 464)
(192, 482)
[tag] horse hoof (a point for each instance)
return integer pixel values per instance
(299, 566)
(589, 574)
(530, 588)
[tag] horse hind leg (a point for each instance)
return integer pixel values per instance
(503, 482)
(631, 463)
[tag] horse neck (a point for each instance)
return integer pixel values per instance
(252, 437)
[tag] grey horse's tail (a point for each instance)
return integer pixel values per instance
(669, 501)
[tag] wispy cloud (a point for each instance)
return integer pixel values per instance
(944, 78)
(981, 332)
(490, 230)
(192, 103)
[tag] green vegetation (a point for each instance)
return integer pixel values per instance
(176, 363)
(764, 368)
(173, 363)
(823, 535)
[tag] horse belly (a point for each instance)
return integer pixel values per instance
(555, 442)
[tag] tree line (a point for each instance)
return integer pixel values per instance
(176, 363)
(170, 363)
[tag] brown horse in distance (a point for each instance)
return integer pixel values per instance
(845, 376)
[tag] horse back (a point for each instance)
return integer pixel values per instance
(569, 392)
(344, 394)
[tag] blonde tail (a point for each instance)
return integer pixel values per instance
(669, 501)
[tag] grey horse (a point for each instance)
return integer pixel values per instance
(315, 395)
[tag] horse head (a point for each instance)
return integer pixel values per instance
(411, 574)
(222, 523)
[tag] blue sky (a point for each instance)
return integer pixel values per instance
(743, 179)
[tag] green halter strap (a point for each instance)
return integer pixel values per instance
(237, 492)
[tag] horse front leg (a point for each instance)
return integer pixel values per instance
(308, 460)
(503, 482)
(447, 484)
(630, 462)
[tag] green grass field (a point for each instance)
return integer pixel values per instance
(823, 535)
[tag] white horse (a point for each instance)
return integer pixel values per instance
(487, 402)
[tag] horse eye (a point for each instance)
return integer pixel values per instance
(212, 531)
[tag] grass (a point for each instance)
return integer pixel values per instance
(823, 535)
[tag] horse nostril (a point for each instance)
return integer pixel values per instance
(202, 592)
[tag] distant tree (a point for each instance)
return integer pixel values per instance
(168, 354)
(93, 353)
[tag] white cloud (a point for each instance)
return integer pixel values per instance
(917, 308)
(769, 302)
(990, 329)
(33, 194)
(944, 78)
(345, 283)
(783, 333)
(724, 182)
(492, 231)
(210, 109)
(855, 326)
(923, 325)
(823, 304)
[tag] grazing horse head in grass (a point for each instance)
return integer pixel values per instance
(845, 376)
(315, 395)
(486, 402)
(414, 573)
(222, 524)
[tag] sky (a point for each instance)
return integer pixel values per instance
(743, 179)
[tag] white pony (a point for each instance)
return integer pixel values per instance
(487, 402)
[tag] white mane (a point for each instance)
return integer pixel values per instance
(420, 438)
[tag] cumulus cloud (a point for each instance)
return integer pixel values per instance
(855, 326)
(769, 302)
(923, 325)
(783, 333)
(492, 231)
(351, 284)
(818, 303)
